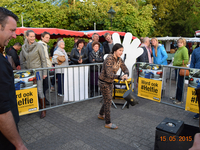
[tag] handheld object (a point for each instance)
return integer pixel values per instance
(129, 97)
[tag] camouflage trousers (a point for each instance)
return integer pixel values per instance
(106, 90)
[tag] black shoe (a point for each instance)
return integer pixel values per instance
(91, 94)
(48, 103)
(196, 116)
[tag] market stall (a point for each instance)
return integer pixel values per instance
(168, 40)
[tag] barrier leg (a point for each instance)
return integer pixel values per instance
(114, 104)
(124, 105)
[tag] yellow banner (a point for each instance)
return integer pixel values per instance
(149, 89)
(27, 101)
(191, 101)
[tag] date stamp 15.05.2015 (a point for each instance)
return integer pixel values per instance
(172, 138)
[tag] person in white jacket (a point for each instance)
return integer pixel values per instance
(60, 58)
(45, 36)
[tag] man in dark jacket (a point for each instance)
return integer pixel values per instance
(108, 44)
(12, 51)
(146, 56)
(9, 115)
(95, 38)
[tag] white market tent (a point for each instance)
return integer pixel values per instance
(168, 40)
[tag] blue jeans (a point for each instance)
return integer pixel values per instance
(60, 83)
(180, 84)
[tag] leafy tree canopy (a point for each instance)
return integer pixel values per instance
(175, 17)
(130, 16)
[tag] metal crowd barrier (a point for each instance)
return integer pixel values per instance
(79, 84)
(79, 77)
(169, 82)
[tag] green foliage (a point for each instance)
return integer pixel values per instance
(175, 17)
(141, 3)
(13, 41)
(63, 2)
(83, 15)
(37, 14)
(141, 17)
(136, 21)
(130, 16)
(69, 43)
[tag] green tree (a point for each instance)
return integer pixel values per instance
(136, 21)
(129, 17)
(37, 14)
(85, 14)
(63, 2)
(175, 17)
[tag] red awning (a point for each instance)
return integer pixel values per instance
(55, 32)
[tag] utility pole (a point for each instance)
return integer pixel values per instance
(95, 26)
(22, 20)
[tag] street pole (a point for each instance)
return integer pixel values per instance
(111, 22)
(22, 20)
(95, 26)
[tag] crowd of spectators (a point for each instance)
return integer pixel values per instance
(91, 52)
(38, 55)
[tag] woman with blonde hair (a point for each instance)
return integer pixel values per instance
(159, 52)
(181, 59)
